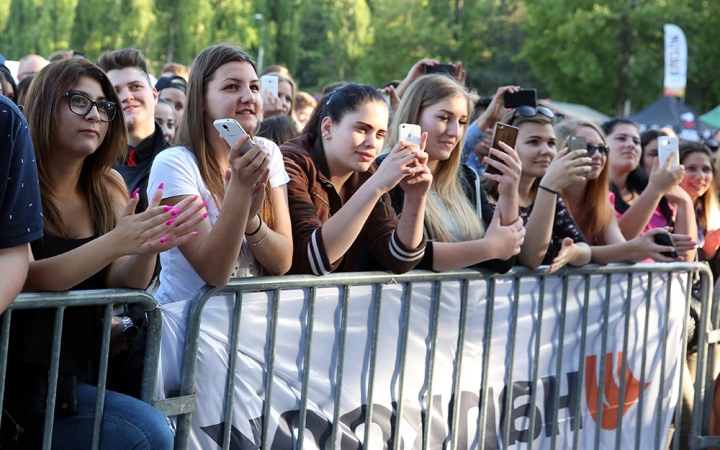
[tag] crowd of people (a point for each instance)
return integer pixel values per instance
(116, 179)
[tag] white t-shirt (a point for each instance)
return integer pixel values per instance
(178, 169)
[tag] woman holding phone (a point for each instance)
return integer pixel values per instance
(93, 240)
(252, 235)
(341, 213)
(587, 201)
(459, 222)
(552, 236)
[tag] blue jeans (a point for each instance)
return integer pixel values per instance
(128, 424)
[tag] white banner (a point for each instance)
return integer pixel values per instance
(208, 419)
(675, 61)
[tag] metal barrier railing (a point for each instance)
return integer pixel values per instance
(661, 288)
(63, 300)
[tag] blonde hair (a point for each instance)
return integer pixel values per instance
(597, 212)
(451, 203)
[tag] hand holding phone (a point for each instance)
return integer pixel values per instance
(578, 143)
(231, 131)
(503, 133)
(665, 240)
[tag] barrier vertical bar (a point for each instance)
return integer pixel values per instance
(456, 391)
(707, 390)
(683, 356)
(152, 354)
(511, 366)
(703, 380)
(487, 342)
(270, 375)
(340, 366)
(407, 304)
(581, 364)
(232, 369)
(643, 362)
(4, 345)
(558, 363)
(666, 329)
(623, 365)
(536, 359)
(306, 367)
(373, 360)
(603, 360)
(53, 378)
(431, 363)
(102, 377)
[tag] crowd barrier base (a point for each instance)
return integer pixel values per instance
(591, 357)
(60, 302)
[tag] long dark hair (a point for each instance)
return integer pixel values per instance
(344, 100)
(43, 102)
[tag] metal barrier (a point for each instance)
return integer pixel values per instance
(579, 289)
(63, 300)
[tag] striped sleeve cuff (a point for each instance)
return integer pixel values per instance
(397, 249)
(316, 254)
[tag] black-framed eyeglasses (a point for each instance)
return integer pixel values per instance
(602, 148)
(81, 105)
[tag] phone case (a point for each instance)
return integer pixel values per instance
(578, 143)
(410, 132)
(524, 97)
(666, 239)
(269, 82)
(231, 130)
(667, 145)
(503, 133)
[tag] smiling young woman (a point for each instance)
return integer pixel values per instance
(459, 221)
(341, 214)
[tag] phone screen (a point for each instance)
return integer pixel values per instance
(503, 133)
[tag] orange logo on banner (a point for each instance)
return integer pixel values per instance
(611, 402)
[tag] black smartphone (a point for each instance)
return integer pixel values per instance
(503, 133)
(666, 240)
(523, 97)
(440, 68)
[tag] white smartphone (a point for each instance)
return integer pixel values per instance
(231, 130)
(410, 132)
(667, 145)
(386, 97)
(269, 82)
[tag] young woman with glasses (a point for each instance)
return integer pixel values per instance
(587, 200)
(92, 240)
(552, 236)
(643, 203)
(459, 222)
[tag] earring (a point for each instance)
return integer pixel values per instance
(325, 136)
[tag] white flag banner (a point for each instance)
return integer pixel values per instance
(213, 359)
(675, 61)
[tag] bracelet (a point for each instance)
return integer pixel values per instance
(546, 189)
(267, 228)
(258, 228)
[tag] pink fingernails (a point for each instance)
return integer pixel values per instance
(175, 212)
(164, 240)
(196, 197)
(170, 222)
(205, 203)
(168, 208)
(162, 185)
(197, 233)
(135, 192)
(206, 214)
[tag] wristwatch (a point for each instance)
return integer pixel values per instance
(130, 330)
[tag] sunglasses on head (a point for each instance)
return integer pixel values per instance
(532, 111)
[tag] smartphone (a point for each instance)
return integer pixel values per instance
(503, 133)
(386, 97)
(578, 143)
(667, 145)
(440, 68)
(231, 130)
(666, 240)
(411, 133)
(523, 97)
(269, 82)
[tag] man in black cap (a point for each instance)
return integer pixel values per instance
(174, 90)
